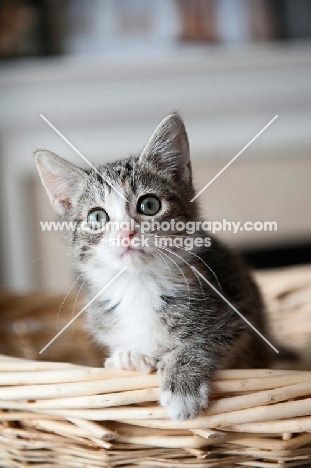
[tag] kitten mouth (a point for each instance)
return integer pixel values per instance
(131, 251)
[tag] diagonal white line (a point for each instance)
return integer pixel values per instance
(235, 157)
(82, 310)
(81, 155)
(236, 310)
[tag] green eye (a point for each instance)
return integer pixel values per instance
(97, 219)
(149, 205)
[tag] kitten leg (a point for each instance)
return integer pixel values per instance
(185, 381)
(130, 360)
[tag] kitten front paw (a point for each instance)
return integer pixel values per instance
(130, 360)
(181, 407)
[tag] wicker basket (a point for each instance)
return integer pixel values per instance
(67, 414)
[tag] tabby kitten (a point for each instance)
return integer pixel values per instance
(158, 314)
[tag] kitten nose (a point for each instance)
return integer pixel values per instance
(126, 234)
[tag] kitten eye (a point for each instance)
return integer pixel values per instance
(97, 219)
(149, 205)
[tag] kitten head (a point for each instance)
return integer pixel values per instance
(109, 204)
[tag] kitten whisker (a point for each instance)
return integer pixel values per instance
(198, 278)
(44, 256)
(196, 275)
(76, 298)
(66, 298)
(207, 266)
(177, 266)
(159, 256)
(197, 256)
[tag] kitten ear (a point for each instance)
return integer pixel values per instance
(168, 149)
(62, 181)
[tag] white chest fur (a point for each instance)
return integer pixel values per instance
(137, 300)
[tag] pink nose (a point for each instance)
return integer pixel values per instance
(126, 234)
